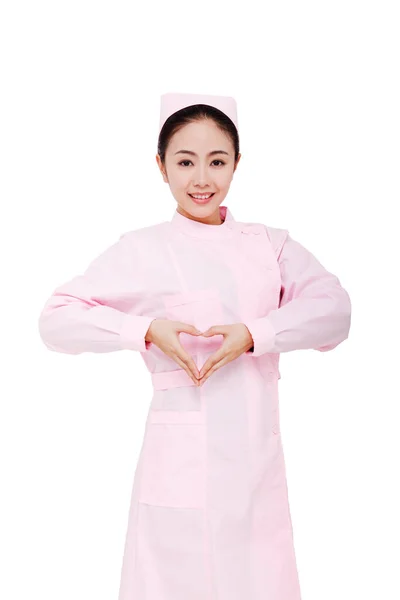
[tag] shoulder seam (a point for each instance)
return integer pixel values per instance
(277, 239)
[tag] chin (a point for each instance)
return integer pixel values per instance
(211, 206)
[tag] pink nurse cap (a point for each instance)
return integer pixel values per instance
(172, 102)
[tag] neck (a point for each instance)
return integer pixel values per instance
(214, 219)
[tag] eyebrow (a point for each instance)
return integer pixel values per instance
(209, 154)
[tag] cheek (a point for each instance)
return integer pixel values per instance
(224, 181)
(177, 177)
(223, 187)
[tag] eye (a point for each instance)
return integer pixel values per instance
(189, 161)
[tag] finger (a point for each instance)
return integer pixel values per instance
(212, 360)
(188, 361)
(187, 328)
(180, 350)
(215, 367)
(216, 330)
(207, 365)
(182, 364)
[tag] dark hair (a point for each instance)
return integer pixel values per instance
(191, 114)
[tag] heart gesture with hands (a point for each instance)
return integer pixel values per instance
(165, 335)
(237, 339)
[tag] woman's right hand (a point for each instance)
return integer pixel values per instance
(165, 335)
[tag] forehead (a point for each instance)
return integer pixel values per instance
(200, 134)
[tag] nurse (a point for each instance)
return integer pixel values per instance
(210, 303)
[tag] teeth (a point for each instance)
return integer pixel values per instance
(201, 197)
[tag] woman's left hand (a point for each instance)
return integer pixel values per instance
(237, 339)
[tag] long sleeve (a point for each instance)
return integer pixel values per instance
(314, 310)
(99, 311)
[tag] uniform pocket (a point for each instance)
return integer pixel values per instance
(179, 399)
(173, 471)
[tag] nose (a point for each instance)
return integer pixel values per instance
(200, 176)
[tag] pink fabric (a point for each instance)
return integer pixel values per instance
(314, 310)
(209, 514)
(172, 102)
(171, 379)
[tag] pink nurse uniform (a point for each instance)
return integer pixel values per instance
(209, 514)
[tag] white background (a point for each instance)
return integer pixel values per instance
(317, 88)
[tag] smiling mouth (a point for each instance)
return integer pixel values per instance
(201, 196)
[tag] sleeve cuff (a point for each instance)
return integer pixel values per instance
(263, 335)
(133, 332)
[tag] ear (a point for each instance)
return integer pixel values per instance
(162, 169)
(237, 162)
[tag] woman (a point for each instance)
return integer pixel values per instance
(206, 300)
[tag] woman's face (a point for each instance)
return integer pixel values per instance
(191, 167)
